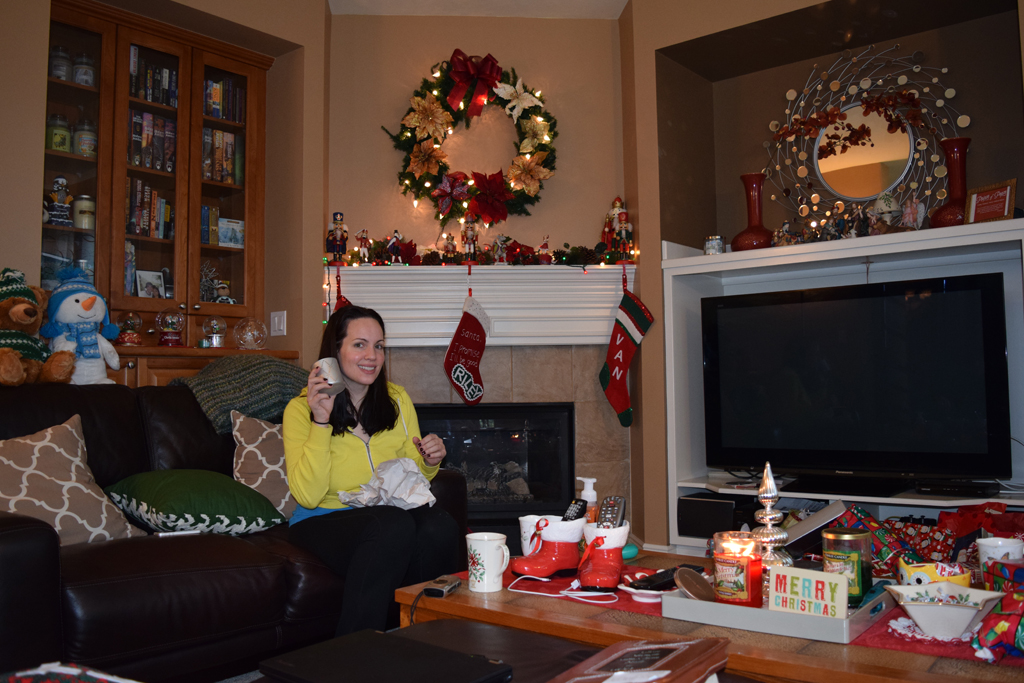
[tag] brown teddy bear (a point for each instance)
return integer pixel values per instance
(23, 356)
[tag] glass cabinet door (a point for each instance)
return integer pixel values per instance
(226, 199)
(76, 184)
(150, 173)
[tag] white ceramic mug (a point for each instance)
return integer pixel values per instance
(331, 371)
(488, 559)
(999, 549)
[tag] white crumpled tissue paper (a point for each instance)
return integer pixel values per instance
(396, 482)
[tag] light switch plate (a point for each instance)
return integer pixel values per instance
(278, 323)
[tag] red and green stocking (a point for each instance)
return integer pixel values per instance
(631, 324)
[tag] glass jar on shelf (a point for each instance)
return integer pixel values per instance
(84, 70)
(60, 63)
(85, 138)
(58, 134)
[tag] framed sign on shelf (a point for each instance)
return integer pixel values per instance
(991, 203)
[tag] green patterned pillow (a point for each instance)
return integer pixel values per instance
(193, 500)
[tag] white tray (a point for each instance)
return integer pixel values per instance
(676, 606)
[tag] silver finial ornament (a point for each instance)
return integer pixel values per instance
(771, 537)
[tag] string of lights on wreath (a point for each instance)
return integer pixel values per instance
(457, 90)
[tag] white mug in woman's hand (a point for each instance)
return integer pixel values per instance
(331, 371)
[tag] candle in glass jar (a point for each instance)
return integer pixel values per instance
(737, 569)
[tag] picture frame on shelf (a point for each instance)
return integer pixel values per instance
(150, 284)
(991, 202)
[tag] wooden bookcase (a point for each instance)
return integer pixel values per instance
(130, 252)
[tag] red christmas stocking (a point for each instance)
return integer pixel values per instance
(462, 360)
(631, 324)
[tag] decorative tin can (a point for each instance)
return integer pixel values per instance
(58, 135)
(713, 244)
(85, 138)
(84, 70)
(60, 63)
(848, 551)
(83, 212)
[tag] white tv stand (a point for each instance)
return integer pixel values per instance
(689, 276)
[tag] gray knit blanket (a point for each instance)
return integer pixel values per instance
(253, 384)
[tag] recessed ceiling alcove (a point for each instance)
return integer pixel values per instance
(718, 93)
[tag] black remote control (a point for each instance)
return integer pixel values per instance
(577, 508)
(611, 512)
(663, 580)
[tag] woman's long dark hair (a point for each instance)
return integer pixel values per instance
(378, 411)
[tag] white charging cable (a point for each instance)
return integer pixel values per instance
(570, 592)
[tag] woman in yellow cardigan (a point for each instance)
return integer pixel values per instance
(334, 443)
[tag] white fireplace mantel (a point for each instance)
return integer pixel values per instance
(528, 305)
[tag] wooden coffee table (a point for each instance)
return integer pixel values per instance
(760, 655)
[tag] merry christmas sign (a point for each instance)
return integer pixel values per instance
(802, 591)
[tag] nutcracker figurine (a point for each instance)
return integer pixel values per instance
(364, 245)
(469, 240)
(337, 240)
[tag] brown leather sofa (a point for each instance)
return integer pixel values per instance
(156, 609)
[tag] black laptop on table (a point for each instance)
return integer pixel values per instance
(374, 656)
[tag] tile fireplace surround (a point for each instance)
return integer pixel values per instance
(549, 337)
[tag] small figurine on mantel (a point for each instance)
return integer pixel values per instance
(470, 232)
(364, 245)
(337, 239)
(624, 233)
(450, 248)
(784, 236)
(394, 247)
(611, 224)
(59, 207)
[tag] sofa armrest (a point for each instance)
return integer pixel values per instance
(30, 612)
(449, 487)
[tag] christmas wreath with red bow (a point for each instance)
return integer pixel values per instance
(457, 91)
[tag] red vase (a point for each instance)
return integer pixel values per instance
(756, 236)
(952, 212)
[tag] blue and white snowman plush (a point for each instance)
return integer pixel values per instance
(78, 321)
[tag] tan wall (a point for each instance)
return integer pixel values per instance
(24, 36)
(377, 62)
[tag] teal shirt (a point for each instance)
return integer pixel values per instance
(30, 348)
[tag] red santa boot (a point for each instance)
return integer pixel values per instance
(602, 560)
(559, 553)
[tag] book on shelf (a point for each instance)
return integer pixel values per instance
(207, 154)
(231, 233)
(169, 222)
(239, 159)
(228, 176)
(158, 143)
(147, 199)
(133, 69)
(215, 225)
(677, 661)
(174, 88)
(165, 87)
(204, 224)
(218, 155)
(140, 80)
(161, 211)
(241, 106)
(147, 140)
(170, 135)
(154, 213)
(215, 99)
(136, 159)
(149, 83)
(140, 192)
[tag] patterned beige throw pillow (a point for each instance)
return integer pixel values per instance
(259, 460)
(46, 476)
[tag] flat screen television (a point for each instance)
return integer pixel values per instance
(862, 388)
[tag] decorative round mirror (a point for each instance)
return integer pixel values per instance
(865, 171)
(863, 132)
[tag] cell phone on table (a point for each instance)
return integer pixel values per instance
(663, 580)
